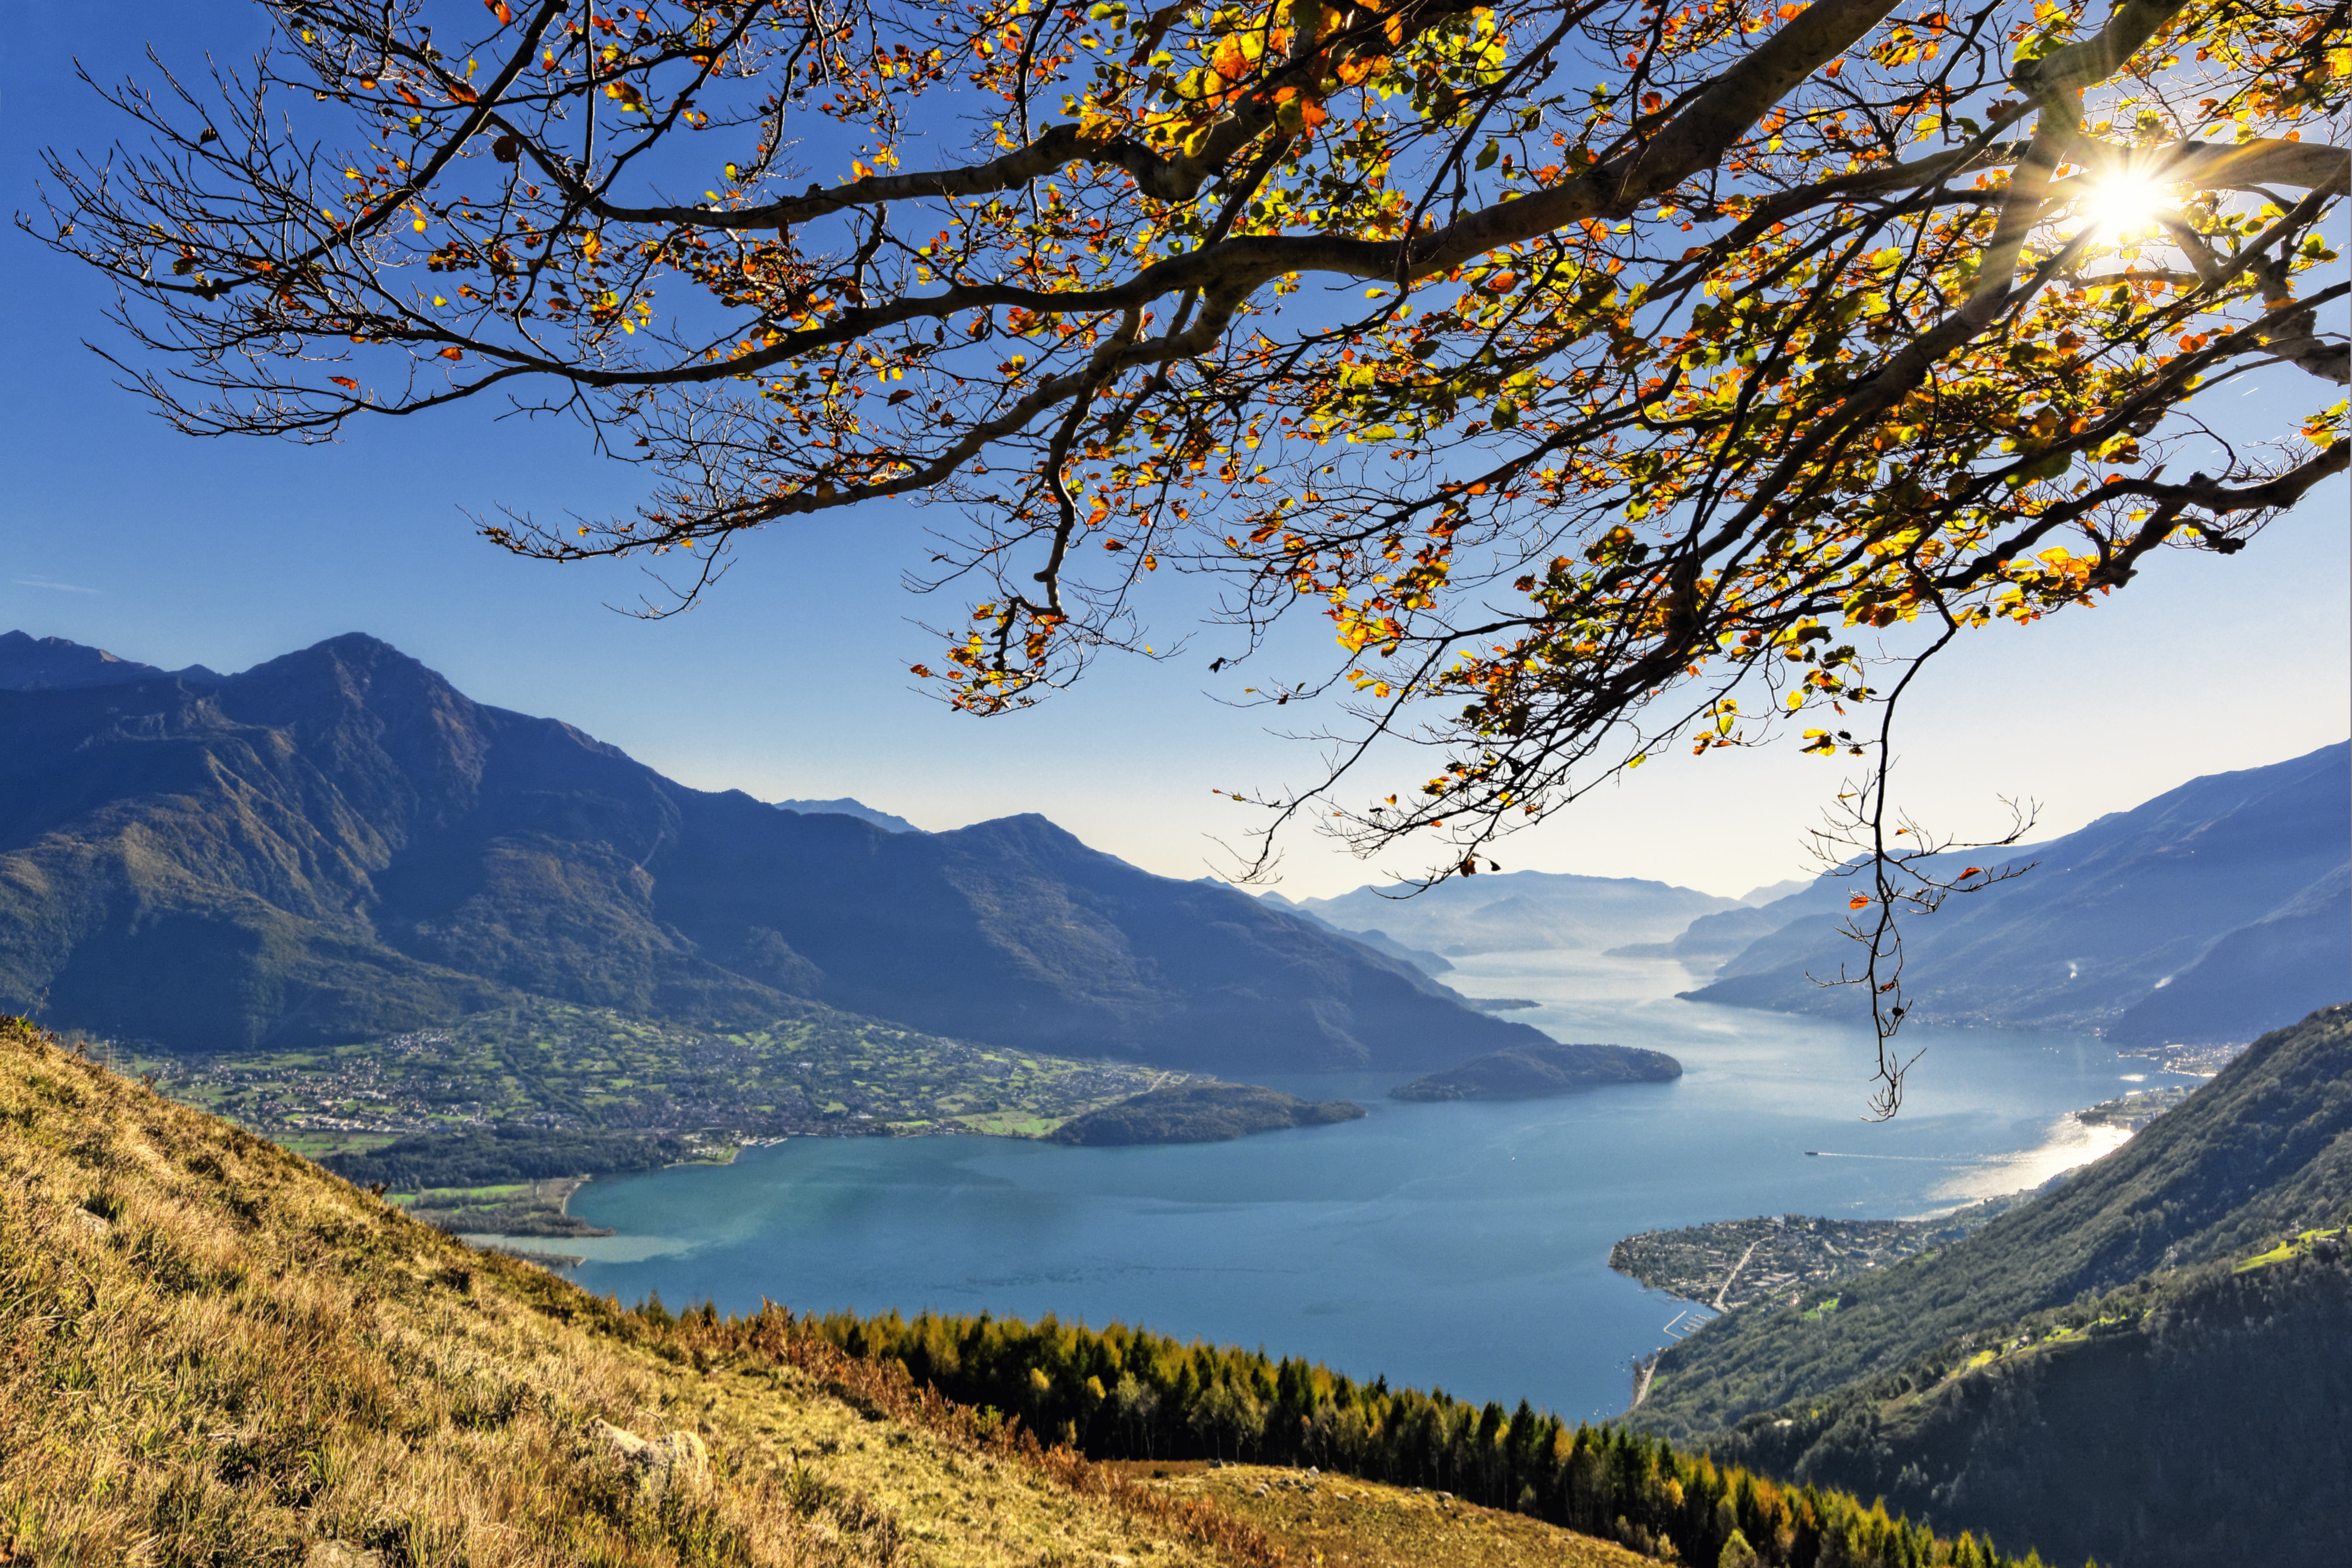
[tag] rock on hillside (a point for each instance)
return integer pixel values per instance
(337, 844)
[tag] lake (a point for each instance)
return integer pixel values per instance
(1462, 1245)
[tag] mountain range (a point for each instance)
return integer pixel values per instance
(2213, 911)
(339, 844)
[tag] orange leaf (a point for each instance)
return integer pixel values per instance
(1857, 901)
(1972, 871)
(453, 353)
(345, 381)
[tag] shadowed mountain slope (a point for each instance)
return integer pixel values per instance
(2264, 1149)
(339, 844)
(2213, 911)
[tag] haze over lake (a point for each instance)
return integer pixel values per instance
(1459, 1245)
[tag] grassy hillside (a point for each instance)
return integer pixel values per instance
(219, 1353)
(2264, 1149)
(2184, 1420)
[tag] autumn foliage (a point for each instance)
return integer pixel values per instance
(1611, 374)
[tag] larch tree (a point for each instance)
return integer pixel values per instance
(1613, 374)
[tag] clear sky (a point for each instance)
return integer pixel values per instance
(790, 680)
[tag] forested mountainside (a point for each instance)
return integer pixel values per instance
(285, 1369)
(2264, 1149)
(2212, 912)
(2181, 1421)
(339, 844)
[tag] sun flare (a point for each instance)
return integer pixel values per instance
(2124, 201)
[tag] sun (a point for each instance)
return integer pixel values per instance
(2125, 201)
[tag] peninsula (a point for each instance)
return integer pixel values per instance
(1532, 1072)
(1200, 1113)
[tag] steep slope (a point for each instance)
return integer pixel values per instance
(1521, 912)
(2234, 879)
(220, 1354)
(339, 844)
(2292, 959)
(2264, 1149)
(2184, 1420)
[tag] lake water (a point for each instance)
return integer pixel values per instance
(1464, 1246)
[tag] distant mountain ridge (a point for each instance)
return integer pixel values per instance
(2213, 911)
(337, 844)
(848, 807)
(1520, 912)
(28, 663)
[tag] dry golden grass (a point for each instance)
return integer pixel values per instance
(215, 1352)
(1338, 1521)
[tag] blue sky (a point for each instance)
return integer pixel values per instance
(790, 680)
